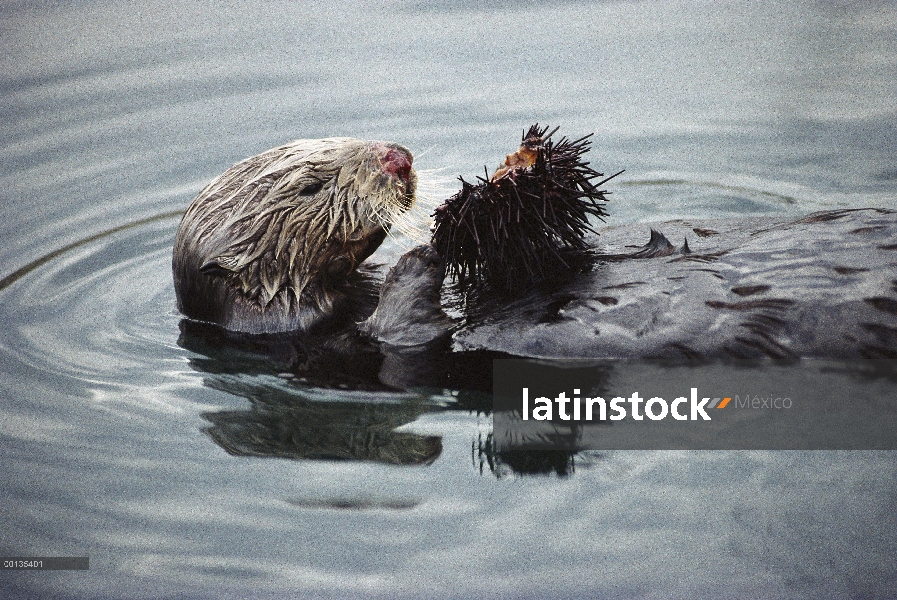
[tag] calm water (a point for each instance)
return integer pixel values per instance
(112, 432)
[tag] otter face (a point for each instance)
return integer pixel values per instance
(269, 245)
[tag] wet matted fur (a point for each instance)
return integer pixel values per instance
(273, 243)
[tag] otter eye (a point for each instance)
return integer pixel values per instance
(312, 188)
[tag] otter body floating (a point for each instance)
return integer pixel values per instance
(273, 244)
(822, 286)
(536, 285)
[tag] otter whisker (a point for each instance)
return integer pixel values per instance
(412, 235)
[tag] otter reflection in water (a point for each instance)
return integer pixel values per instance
(292, 417)
(288, 414)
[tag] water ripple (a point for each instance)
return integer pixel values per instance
(99, 308)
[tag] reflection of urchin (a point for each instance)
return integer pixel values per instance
(527, 222)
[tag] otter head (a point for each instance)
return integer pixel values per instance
(271, 245)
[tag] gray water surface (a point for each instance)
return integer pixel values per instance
(114, 435)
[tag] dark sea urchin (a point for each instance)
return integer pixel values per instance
(527, 222)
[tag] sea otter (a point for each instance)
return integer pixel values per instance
(273, 245)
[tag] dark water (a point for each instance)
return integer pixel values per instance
(114, 116)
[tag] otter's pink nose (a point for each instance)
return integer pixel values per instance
(398, 163)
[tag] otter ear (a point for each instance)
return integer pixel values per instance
(220, 266)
